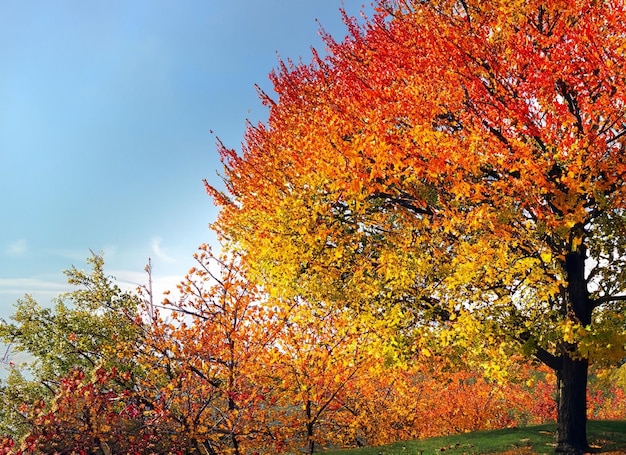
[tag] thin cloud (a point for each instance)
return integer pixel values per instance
(17, 248)
(44, 291)
(159, 251)
(28, 285)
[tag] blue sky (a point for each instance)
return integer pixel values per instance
(106, 112)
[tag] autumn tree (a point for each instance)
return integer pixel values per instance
(92, 413)
(321, 358)
(92, 326)
(459, 162)
(205, 359)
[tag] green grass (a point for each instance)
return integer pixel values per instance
(605, 436)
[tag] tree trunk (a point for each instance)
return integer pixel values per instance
(309, 429)
(572, 372)
(572, 406)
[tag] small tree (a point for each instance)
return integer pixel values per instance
(320, 357)
(206, 359)
(92, 327)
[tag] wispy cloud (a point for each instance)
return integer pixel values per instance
(43, 290)
(17, 248)
(158, 250)
(28, 285)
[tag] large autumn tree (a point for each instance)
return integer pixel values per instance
(459, 163)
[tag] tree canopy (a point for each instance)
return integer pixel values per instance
(452, 163)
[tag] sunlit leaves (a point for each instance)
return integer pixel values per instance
(206, 359)
(451, 158)
(320, 357)
(457, 152)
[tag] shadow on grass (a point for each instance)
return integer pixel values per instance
(606, 437)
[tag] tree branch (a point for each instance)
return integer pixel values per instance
(552, 361)
(606, 299)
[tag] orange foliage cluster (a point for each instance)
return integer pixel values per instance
(607, 403)
(226, 370)
(421, 401)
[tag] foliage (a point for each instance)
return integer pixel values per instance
(430, 398)
(226, 368)
(205, 359)
(90, 327)
(372, 196)
(89, 413)
(322, 358)
(452, 166)
(22, 400)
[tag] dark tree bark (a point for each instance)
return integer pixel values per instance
(572, 371)
(310, 429)
(572, 406)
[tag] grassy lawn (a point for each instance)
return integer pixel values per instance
(606, 436)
